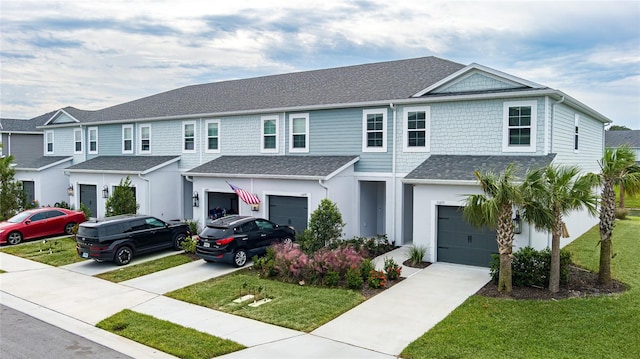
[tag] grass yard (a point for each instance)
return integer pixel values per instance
(55, 252)
(138, 270)
(596, 327)
(303, 308)
(168, 337)
(629, 202)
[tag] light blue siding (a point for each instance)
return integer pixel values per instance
(476, 82)
(590, 134)
(63, 142)
(109, 140)
(63, 118)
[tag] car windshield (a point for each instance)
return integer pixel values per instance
(19, 217)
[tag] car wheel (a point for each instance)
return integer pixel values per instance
(287, 242)
(123, 256)
(240, 258)
(14, 238)
(177, 241)
(68, 229)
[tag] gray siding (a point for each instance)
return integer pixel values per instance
(22, 146)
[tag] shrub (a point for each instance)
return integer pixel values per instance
(122, 200)
(377, 279)
(416, 254)
(189, 245)
(194, 226)
(353, 278)
(332, 278)
(62, 204)
(325, 226)
(265, 264)
(392, 269)
(531, 267)
(86, 210)
(372, 247)
(621, 213)
(365, 269)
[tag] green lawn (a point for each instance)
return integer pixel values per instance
(303, 308)
(596, 327)
(138, 270)
(55, 252)
(168, 337)
(629, 202)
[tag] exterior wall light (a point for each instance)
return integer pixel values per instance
(517, 223)
(196, 199)
(105, 191)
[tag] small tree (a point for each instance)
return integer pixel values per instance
(325, 226)
(123, 200)
(12, 197)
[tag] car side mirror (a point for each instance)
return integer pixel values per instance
(27, 221)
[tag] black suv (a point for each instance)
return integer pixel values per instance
(119, 238)
(234, 239)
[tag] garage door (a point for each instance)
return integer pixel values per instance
(460, 242)
(289, 210)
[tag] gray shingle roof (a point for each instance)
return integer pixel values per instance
(461, 168)
(619, 138)
(125, 164)
(312, 167)
(343, 85)
(18, 125)
(39, 163)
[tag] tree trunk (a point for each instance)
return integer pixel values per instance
(554, 273)
(621, 195)
(607, 221)
(604, 274)
(504, 278)
(504, 236)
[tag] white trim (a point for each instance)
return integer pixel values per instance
(46, 142)
(263, 119)
(206, 136)
(427, 129)
(56, 115)
(75, 141)
(124, 127)
(533, 125)
(547, 121)
(140, 147)
(297, 116)
(576, 133)
(365, 131)
(183, 141)
(89, 130)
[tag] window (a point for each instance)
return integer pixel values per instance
(77, 140)
(127, 139)
(145, 138)
(519, 126)
(189, 136)
(576, 123)
(48, 141)
(374, 128)
(416, 133)
(269, 134)
(299, 132)
(93, 140)
(213, 136)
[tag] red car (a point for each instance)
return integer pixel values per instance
(36, 223)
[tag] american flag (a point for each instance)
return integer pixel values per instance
(247, 197)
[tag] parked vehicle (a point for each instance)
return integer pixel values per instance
(234, 239)
(38, 223)
(120, 238)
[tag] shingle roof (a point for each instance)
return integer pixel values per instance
(40, 163)
(461, 168)
(124, 164)
(19, 125)
(312, 167)
(619, 138)
(343, 85)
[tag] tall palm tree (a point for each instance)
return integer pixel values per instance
(494, 208)
(617, 166)
(549, 194)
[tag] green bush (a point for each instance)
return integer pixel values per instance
(332, 279)
(531, 267)
(621, 213)
(122, 200)
(416, 254)
(189, 245)
(377, 279)
(353, 278)
(86, 210)
(392, 269)
(365, 269)
(325, 227)
(194, 226)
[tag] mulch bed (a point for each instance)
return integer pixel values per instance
(582, 283)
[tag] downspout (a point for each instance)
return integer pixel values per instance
(148, 192)
(393, 172)
(9, 145)
(326, 189)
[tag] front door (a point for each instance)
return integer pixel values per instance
(89, 197)
(28, 187)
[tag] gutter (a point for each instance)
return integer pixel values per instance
(393, 171)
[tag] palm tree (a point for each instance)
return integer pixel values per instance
(617, 166)
(494, 208)
(549, 194)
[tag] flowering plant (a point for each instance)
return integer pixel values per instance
(392, 269)
(377, 279)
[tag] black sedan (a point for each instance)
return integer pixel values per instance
(234, 239)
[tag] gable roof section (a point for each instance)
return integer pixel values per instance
(292, 167)
(619, 138)
(123, 164)
(23, 126)
(41, 163)
(449, 169)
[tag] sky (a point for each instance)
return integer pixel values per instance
(95, 54)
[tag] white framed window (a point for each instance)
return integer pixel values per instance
(374, 130)
(127, 138)
(93, 140)
(519, 126)
(213, 136)
(416, 122)
(189, 137)
(269, 131)
(576, 125)
(144, 139)
(48, 139)
(77, 140)
(299, 132)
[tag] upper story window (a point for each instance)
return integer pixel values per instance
(77, 140)
(144, 138)
(299, 132)
(416, 125)
(189, 136)
(48, 138)
(213, 136)
(519, 126)
(127, 139)
(576, 123)
(269, 134)
(93, 140)
(374, 129)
